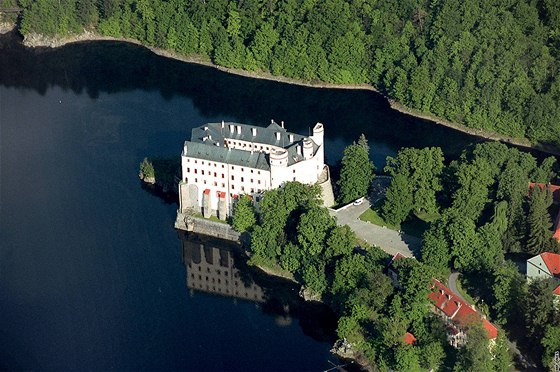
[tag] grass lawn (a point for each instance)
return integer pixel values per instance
(212, 218)
(372, 216)
(415, 225)
(464, 293)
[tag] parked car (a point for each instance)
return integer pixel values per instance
(359, 201)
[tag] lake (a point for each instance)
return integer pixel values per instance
(92, 274)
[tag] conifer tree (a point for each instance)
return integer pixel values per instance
(356, 173)
(539, 222)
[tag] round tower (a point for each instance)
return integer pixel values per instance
(278, 167)
(318, 134)
(307, 149)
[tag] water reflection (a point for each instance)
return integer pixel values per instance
(212, 269)
(114, 67)
(215, 267)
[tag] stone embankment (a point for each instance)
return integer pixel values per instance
(204, 226)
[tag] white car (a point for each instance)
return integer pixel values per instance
(359, 201)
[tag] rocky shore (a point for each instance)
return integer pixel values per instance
(6, 27)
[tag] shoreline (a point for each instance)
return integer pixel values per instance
(39, 41)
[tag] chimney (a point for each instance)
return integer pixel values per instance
(298, 149)
(282, 122)
(271, 121)
(291, 138)
(239, 129)
(254, 130)
(223, 124)
(277, 136)
(231, 128)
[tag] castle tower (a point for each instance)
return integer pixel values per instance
(278, 167)
(318, 134)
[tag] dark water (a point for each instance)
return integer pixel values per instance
(92, 274)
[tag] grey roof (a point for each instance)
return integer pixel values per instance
(264, 135)
(207, 142)
(206, 151)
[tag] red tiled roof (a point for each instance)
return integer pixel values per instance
(552, 261)
(557, 291)
(221, 194)
(207, 191)
(396, 257)
(456, 309)
(409, 338)
(554, 188)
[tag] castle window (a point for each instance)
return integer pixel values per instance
(196, 180)
(195, 161)
(294, 171)
(242, 179)
(258, 172)
(252, 190)
(203, 162)
(241, 169)
(195, 171)
(215, 175)
(259, 182)
(232, 186)
(188, 170)
(222, 165)
(242, 188)
(186, 180)
(232, 178)
(202, 171)
(222, 175)
(223, 185)
(252, 180)
(215, 183)
(251, 171)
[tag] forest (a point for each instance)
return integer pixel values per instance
(489, 65)
(484, 222)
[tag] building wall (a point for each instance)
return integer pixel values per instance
(236, 180)
(221, 177)
(536, 268)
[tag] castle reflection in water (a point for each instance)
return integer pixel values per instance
(211, 268)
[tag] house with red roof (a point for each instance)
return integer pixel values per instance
(545, 265)
(457, 314)
(555, 190)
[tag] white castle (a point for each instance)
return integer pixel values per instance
(224, 160)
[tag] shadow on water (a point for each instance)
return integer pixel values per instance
(111, 67)
(216, 267)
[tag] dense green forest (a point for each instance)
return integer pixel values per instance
(485, 221)
(492, 65)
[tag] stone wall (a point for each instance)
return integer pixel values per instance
(326, 187)
(206, 227)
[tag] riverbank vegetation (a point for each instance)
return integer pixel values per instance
(487, 213)
(487, 65)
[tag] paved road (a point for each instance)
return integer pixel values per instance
(389, 240)
(452, 283)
